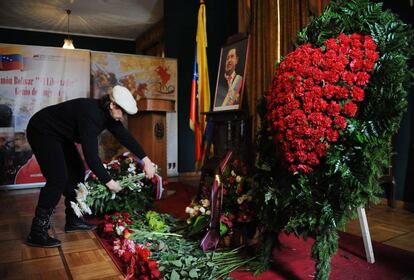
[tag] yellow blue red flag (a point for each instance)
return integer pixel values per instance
(200, 90)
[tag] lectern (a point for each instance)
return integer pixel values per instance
(149, 128)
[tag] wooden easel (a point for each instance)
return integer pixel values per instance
(363, 223)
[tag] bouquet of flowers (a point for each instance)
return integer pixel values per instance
(136, 195)
(118, 229)
(237, 207)
(118, 224)
(237, 202)
(199, 216)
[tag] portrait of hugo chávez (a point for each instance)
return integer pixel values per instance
(231, 76)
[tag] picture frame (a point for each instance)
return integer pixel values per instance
(231, 74)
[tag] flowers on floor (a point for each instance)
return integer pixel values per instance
(146, 245)
(146, 241)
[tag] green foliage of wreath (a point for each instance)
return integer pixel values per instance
(317, 204)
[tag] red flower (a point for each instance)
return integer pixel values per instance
(312, 159)
(125, 214)
(304, 168)
(371, 55)
(348, 77)
(331, 44)
(356, 65)
(127, 256)
(108, 227)
(362, 78)
(357, 94)
(340, 122)
(142, 252)
(331, 135)
(350, 109)
(333, 108)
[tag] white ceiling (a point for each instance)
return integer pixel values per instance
(119, 19)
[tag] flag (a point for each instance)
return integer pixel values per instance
(11, 62)
(200, 89)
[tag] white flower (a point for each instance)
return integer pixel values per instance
(85, 208)
(202, 210)
(242, 198)
(208, 212)
(131, 168)
(191, 211)
(233, 173)
(113, 196)
(205, 202)
(76, 209)
(119, 230)
(82, 192)
(238, 179)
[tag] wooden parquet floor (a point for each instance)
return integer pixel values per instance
(394, 227)
(82, 257)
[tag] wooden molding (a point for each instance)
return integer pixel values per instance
(399, 204)
(161, 105)
(189, 174)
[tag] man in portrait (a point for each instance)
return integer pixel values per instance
(230, 83)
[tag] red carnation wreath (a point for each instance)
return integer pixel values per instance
(313, 93)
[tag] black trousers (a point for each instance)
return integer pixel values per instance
(60, 164)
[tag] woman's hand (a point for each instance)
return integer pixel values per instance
(149, 167)
(113, 186)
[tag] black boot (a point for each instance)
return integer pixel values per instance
(38, 236)
(73, 222)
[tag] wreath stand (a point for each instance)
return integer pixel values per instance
(366, 236)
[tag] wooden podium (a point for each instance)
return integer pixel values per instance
(148, 127)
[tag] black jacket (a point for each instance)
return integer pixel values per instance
(81, 120)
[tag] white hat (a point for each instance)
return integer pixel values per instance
(124, 99)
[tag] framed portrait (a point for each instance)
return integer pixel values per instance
(231, 75)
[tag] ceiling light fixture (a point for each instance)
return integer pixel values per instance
(68, 43)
